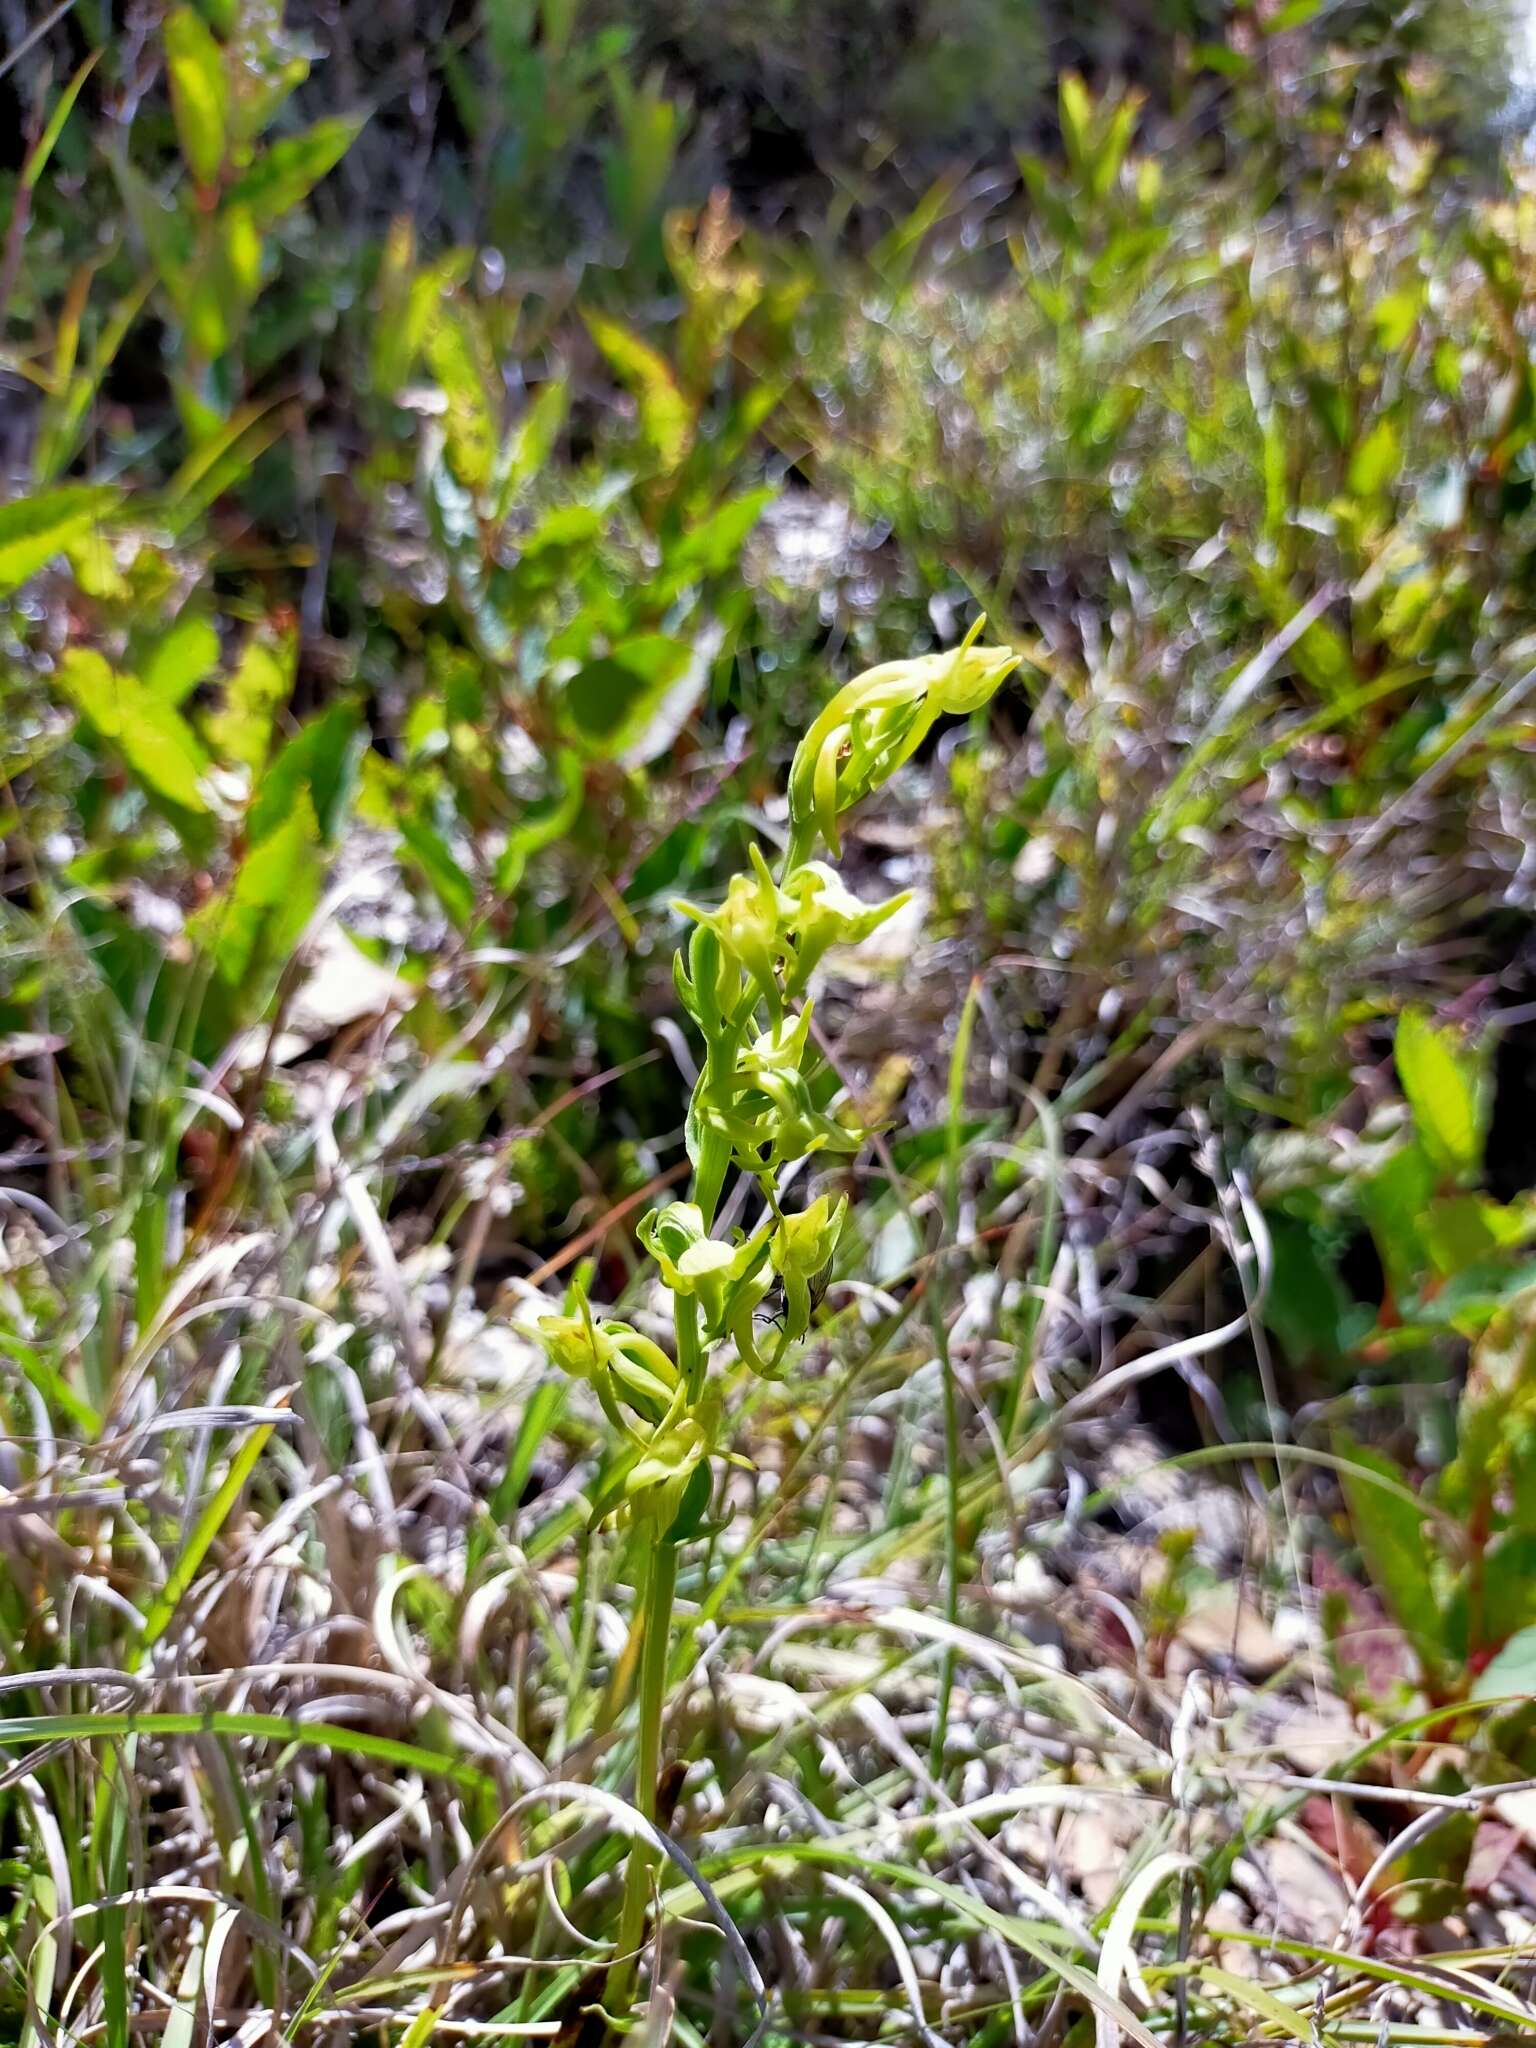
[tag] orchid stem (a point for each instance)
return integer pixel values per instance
(655, 1639)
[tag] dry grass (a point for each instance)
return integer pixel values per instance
(315, 1692)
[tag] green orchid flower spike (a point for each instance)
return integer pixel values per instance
(765, 1101)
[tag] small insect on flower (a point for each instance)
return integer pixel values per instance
(776, 1305)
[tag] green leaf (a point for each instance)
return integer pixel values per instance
(204, 1531)
(543, 823)
(157, 745)
(223, 287)
(460, 359)
(25, 1731)
(249, 931)
(406, 301)
(241, 729)
(320, 762)
(1221, 58)
(1374, 465)
(610, 706)
(43, 148)
(666, 417)
(1512, 1673)
(1393, 1201)
(1295, 14)
(1308, 1306)
(1462, 1231)
(181, 658)
(199, 93)
(1444, 1081)
(1390, 1528)
(1321, 656)
(713, 546)
(34, 530)
(1075, 107)
(531, 442)
(1509, 1587)
(1429, 1881)
(284, 175)
(443, 870)
(1395, 316)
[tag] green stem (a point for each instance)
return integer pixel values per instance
(656, 1635)
(951, 1538)
(958, 1062)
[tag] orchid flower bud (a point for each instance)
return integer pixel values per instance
(876, 722)
(752, 925)
(709, 986)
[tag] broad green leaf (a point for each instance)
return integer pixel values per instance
(1112, 143)
(1461, 1231)
(531, 442)
(166, 229)
(1512, 1673)
(442, 870)
(460, 359)
(199, 92)
(406, 301)
(283, 176)
(241, 728)
(713, 545)
(1374, 465)
(264, 78)
(1393, 1201)
(249, 931)
(223, 287)
(566, 526)
(1075, 107)
(608, 706)
(666, 417)
(1308, 1306)
(1394, 1537)
(1509, 1587)
(1444, 1080)
(1222, 59)
(320, 762)
(636, 168)
(34, 530)
(1473, 1296)
(181, 658)
(1294, 14)
(157, 745)
(1395, 316)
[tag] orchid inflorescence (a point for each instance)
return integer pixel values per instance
(765, 1100)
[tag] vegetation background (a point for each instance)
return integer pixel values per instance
(448, 456)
